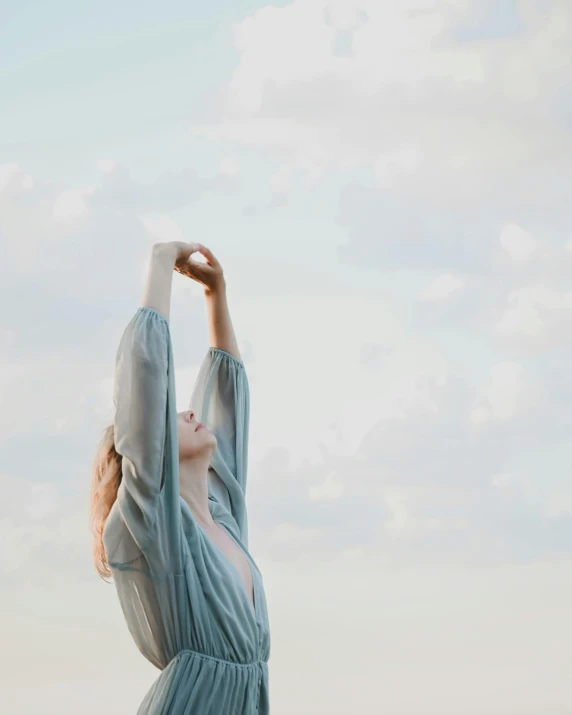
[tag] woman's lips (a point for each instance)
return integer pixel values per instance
(199, 427)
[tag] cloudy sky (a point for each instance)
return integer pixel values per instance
(387, 186)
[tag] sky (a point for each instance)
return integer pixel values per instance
(387, 187)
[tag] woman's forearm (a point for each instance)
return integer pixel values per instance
(157, 293)
(221, 331)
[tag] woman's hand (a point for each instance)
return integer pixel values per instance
(209, 274)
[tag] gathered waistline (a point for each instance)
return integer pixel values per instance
(214, 658)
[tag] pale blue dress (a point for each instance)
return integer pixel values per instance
(184, 602)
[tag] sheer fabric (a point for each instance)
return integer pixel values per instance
(184, 602)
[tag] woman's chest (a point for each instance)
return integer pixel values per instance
(236, 557)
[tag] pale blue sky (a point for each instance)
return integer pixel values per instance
(79, 80)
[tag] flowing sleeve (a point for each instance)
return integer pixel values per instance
(141, 418)
(221, 402)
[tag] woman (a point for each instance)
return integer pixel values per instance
(168, 507)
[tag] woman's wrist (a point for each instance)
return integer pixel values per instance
(165, 252)
(219, 288)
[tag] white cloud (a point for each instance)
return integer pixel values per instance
(107, 166)
(40, 529)
(432, 117)
(508, 393)
(71, 204)
(331, 488)
(229, 166)
(7, 172)
(27, 182)
(401, 161)
(538, 314)
(163, 229)
(518, 243)
(344, 15)
(280, 181)
(290, 534)
(442, 288)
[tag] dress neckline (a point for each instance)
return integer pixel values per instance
(253, 608)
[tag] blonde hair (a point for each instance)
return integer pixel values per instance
(105, 481)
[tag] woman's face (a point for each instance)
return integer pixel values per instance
(194, 439)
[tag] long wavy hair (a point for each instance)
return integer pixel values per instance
(105, 481)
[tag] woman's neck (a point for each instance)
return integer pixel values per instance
(193, 487)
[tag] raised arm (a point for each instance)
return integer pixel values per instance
(211, 276)
(141, 395)
(221, 331)
(220, 397)
(157, 293)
